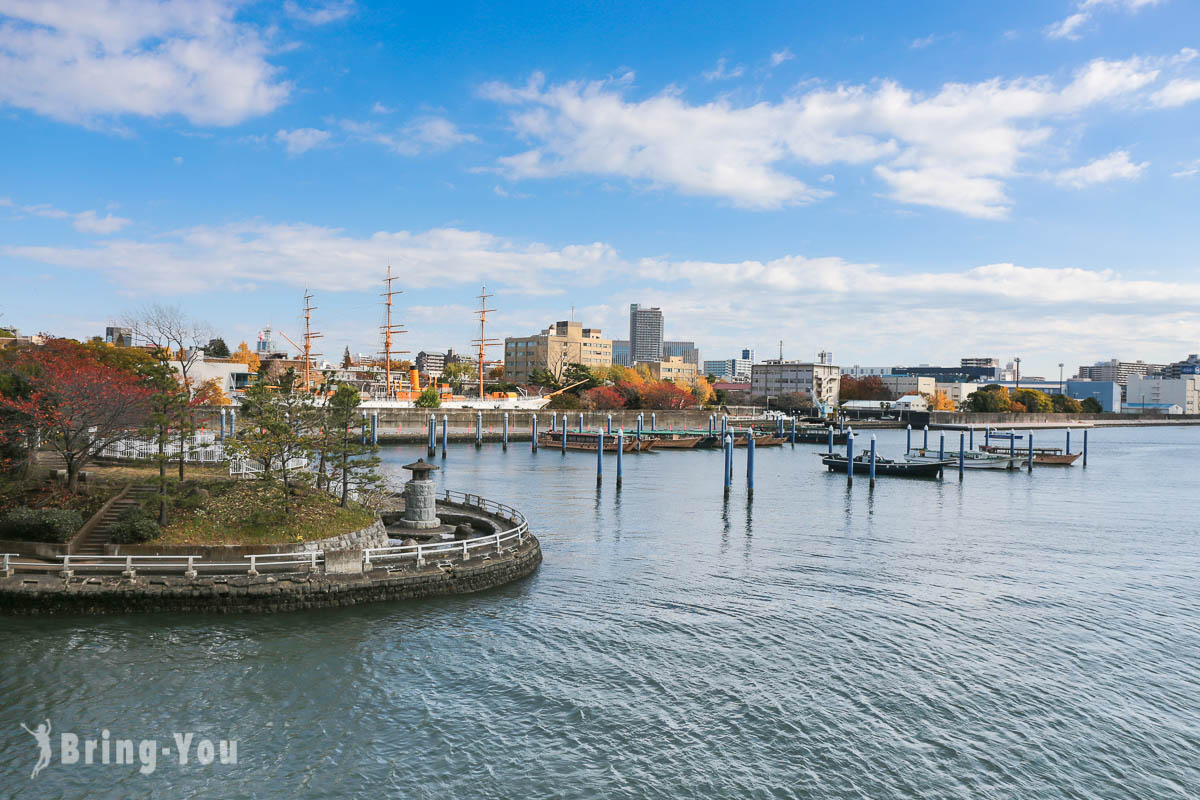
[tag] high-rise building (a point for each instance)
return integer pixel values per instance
(982, 367)
(620, 352)
(672, 369)
(685, 350)
(121, 337)
(821, 382)
(645, 334)
(1179, 369)
(1118, 371)
(748, 355)
(1154, 392)
(560, 345)
(729, 369)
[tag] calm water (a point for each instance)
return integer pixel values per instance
(1013, 636)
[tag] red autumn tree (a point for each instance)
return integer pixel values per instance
(664, 394)
(603, 398)
(78, 405)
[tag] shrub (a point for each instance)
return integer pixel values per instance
(133, 526)
(429, 398)
(40, 524)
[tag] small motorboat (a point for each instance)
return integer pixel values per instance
(972, 459)
(1042, 456)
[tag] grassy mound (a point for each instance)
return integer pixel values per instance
(251, 512)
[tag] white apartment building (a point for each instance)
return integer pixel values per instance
(1149, 391)
(909, 384)
(821, 382)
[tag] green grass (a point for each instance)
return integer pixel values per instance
(251, 512)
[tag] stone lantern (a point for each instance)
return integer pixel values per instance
(420, 508)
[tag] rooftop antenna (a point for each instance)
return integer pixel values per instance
(309, 335)
(388, 330)
(483, 341)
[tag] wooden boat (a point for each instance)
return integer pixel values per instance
(972, 459)
(739, 440)
(811, 436)
(669, 441)
(587, 442)
(1042, 456)
(836, 462)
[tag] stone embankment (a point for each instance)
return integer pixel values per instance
(49, 594)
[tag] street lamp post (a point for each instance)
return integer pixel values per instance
(1060, 377)
(1017, 360)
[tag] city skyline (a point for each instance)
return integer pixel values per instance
(1025, 174)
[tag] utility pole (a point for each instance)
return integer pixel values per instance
(309, 335)
(1017, 360)
(483, 341)
(388, 330)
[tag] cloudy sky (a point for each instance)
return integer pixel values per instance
(895, 182)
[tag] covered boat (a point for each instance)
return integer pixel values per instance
(836, 462)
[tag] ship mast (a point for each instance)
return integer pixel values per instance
(483, 341)
(309, 335)
(388, 330)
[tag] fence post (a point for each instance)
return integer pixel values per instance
(367, 566)
(128, 572)
(66, 567)
(312, 560)
(253, 571)
(190, 574)
(232, 424)
(6, 571)
(466, 552)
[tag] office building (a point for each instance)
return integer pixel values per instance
(119, 337)
(1118, 371)
(900, 385)
(431, 364)
(986, 368)
(645, 334)
(821, 382)
(620, 352)
(748, 355)
(672, 369)
(1189, 366)
(685, 350)
(858, 371)
(729, 369)
(973, 374)
(553, 349)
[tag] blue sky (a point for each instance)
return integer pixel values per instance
(898, 183)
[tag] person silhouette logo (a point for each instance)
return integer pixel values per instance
(42, 734)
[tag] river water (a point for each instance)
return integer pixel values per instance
(1010, 636)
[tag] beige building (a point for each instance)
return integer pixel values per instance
(958, 392)
(671, 369)
(553, 349)
(900, 385)
(821, 382)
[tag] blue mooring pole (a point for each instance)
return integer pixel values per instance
(533, 429)
(553, 421)
(363, 427)
(374, 427)
(478, 429)
(599, 457)
(750, 463)
(564, 434)
(987, 436)
(505, 430)
(962, 457)
(431, 446)
(1012, 443)
(925, 446)
(850, 458)
(793, 430)
(608, 425)
(726, 464)
(830, 440)
(580, 423)
(233, 425)
(730, 457)
(711, 423)
(907, 439)
(1031, 451)
(653, 422)
(445, 433)
(620, 448)
(872, 460)
(639, 433)
(972, 437)
(1067, 449)
(1085, 433)
(942, 448)
(724, 426)
(223, 425)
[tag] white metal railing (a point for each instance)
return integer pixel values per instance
(202, 448)
(191, 565)
(445, 551)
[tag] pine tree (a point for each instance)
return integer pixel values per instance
(354, 463)
(347, 361)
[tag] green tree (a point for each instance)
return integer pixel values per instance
(1091, 405)
(991, 399)
(276, 430)
(1065, 405)
(347, 361)
(354, 463)
(429, 398)
(1035, 402)
(216, 348)
(581, 375)
(545, 378)
(456, 374)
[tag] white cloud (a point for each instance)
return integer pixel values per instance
(951, 149)
(319, 13)
(1178, 92)
(1188, 170)
(422, 135)
(864, 307)
(380, 108)
(1112, 167)
(301, 140)
(91, 222)
(91, 59)
(720, 73)
(780, 56)
(925, 41)
(84, 221)
(1069, 28)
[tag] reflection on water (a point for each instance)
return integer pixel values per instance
(1014, 635)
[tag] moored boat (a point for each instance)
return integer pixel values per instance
(1042, 456)
(587, 442)
(676, 441)
(972, 459)
(836, 462)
